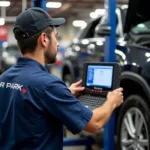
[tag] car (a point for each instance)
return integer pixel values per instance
(8, 56)
(133, 54)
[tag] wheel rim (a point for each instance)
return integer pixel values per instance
(134, 131)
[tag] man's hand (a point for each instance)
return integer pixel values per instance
(102, 114)
(76, 88)
(115, 97)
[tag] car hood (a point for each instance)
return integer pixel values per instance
(138, 12)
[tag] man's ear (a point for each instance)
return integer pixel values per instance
(43, 39)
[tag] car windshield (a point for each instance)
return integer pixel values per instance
(142, 28)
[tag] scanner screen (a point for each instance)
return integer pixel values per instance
(99, 76)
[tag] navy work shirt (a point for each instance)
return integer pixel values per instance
(34, 106)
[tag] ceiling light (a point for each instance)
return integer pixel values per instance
(2, 21)
(4, 3)
(79, 23)
(53, 4)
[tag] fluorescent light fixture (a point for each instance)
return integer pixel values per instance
(4, 3)
(2, 21)
(53, 4)
(79, 23)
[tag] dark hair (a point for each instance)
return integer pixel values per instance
(29, 44)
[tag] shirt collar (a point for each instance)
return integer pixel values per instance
(30, 62)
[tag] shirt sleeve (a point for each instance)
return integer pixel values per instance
(58, 101)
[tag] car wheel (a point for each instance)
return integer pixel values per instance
(68, 79)
(133, 126)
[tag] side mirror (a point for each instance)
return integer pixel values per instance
(104, 30)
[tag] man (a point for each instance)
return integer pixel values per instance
(34, 104)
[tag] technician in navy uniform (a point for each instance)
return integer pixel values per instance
(34, 105)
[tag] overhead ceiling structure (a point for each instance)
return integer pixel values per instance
(79, 9)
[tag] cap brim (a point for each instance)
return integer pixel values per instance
(57, 21)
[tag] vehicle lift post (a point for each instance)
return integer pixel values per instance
(109, 50)
(110, 44)
(39, 3)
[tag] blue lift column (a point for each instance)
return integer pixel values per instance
(110, 46)
(39, 3)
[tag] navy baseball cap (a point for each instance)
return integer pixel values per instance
(34, 20)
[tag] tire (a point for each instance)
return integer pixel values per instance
(68, 79)
(133, 125)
